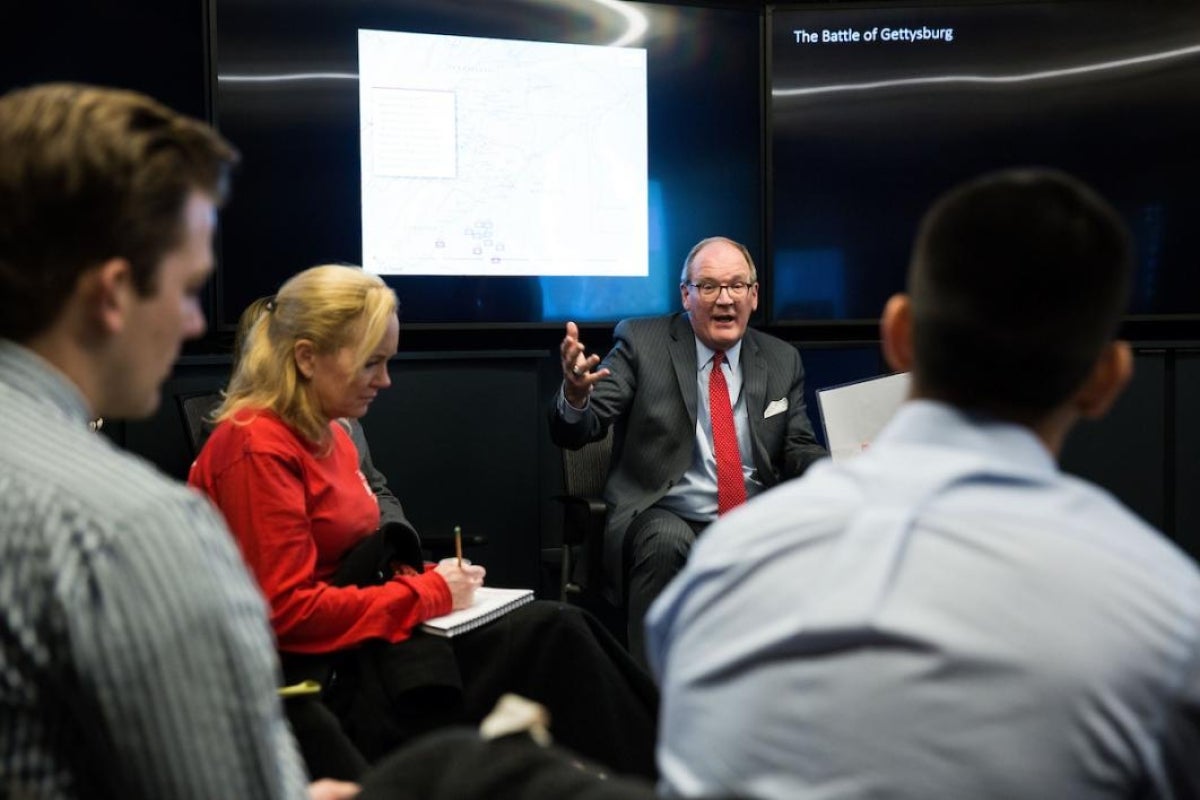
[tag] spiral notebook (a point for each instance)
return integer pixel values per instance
(490, 603)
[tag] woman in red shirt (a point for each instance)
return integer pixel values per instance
(286, 476)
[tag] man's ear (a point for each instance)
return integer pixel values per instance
(107, 292)
(685, 297)
(306, 356)
(1110, 375)
(895, 329)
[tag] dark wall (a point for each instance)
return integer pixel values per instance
(461, 434)
(1127, 450)
(462, 438)
(153, 47)
(1183, 437)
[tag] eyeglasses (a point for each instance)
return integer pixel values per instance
(710, 291)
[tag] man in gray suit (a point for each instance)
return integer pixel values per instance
(653, 386)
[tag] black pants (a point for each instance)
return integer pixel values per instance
(602, 704)
(327, 751)
(658, 543)
(455, 764)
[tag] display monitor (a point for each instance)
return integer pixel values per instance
(875, 110)
(503, 162)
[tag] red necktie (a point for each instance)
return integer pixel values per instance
(731, 486)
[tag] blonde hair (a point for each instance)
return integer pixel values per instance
(332, 306)
(251, 315)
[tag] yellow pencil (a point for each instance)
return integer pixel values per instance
(458, 544)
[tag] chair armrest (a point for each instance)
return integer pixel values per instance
(583, 517)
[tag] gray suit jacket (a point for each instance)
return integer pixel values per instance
(650, 398)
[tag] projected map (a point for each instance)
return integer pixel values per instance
(502, 157)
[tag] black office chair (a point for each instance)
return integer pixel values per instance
(584, 512)
(195, 408)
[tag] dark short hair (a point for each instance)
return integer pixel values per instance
(1018, 279)
(89, 174)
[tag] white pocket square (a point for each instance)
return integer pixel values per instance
(775, 407)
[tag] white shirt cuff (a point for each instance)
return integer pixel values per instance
(568, 412)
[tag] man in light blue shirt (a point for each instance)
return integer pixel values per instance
(949, 615)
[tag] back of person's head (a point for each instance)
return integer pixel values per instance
(1018, 280)
(332, 307)
(88, 174)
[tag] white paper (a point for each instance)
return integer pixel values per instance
(490, 603)
(854, 413)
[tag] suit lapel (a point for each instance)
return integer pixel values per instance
(754, 378)
(683, 356)
(754, 384)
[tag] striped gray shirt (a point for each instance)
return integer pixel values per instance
(135, 655)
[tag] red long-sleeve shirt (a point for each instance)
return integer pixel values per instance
(295, 513)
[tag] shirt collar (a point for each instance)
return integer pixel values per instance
(704, 354)
(929, 422)
(28, 373)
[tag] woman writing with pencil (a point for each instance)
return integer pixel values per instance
(345, 606)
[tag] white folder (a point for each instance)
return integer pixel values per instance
(853, 414)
